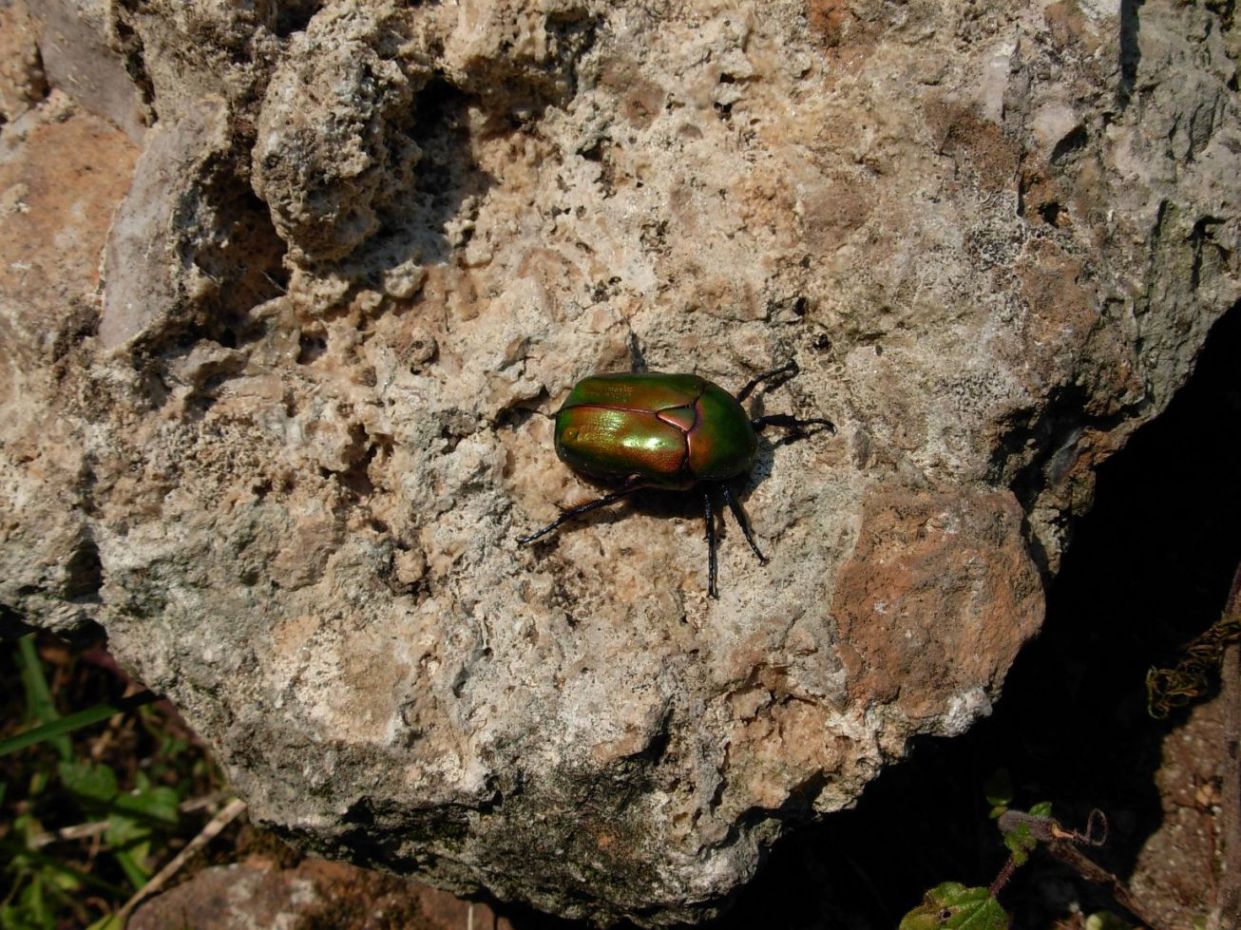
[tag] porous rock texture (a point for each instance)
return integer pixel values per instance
(277, 424)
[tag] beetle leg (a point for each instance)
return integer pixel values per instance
(577, 512)
(797, 428)
(790, 369)
(712, 567)
(742, 521)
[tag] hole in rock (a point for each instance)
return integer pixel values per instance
(1050, 212)
(294, 16)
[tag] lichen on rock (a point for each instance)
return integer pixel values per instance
(281, 449)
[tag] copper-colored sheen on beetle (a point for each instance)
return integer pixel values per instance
(670, 431)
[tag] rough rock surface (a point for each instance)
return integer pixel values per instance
(282, 456)
(259, 895)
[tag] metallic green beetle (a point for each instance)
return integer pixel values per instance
(652, 430)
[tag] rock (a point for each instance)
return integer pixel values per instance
(62, 172)
(368, 248)
(22, 82)
(83, 54)
(257, 894)
(1178, 865)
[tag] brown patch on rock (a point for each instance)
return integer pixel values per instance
(57, 201)
(1069, 27)
(641, 99)
(937, 597)
(973, 142)
(828, 19)
(1043, 198)
(1052, 289)
(778, 755)
(1064, 311)
(848, 38)
(837, 208)
(317, 893)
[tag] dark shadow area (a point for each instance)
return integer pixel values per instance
(429, 218)
(447, 174)
(1148, 570)
(1130, 52)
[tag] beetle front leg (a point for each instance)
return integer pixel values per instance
(577, 512)
(797, 428)
(712, 567)
(790, 370)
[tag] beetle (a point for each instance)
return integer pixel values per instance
(667, 431)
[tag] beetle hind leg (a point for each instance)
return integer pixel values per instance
(742, 521)
(575, 512)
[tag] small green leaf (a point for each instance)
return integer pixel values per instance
(32, 902)
(999, 791)
(1042, 809)
(131, 863)
(952, 906)
(63, 880)
(109, 922)
(158, 804)
(1020, 841)
(89, 781)
(123, 830)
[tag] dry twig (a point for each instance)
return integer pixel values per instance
(217, 823)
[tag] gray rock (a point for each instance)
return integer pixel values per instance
(82, 53)
(369, 248)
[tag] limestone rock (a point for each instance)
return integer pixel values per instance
(367, 248)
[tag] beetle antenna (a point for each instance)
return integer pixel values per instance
(577, 512)
(787, 371)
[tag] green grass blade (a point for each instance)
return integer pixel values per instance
(51, 865)
(39, 704)
(84, 718)
(137, 875)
